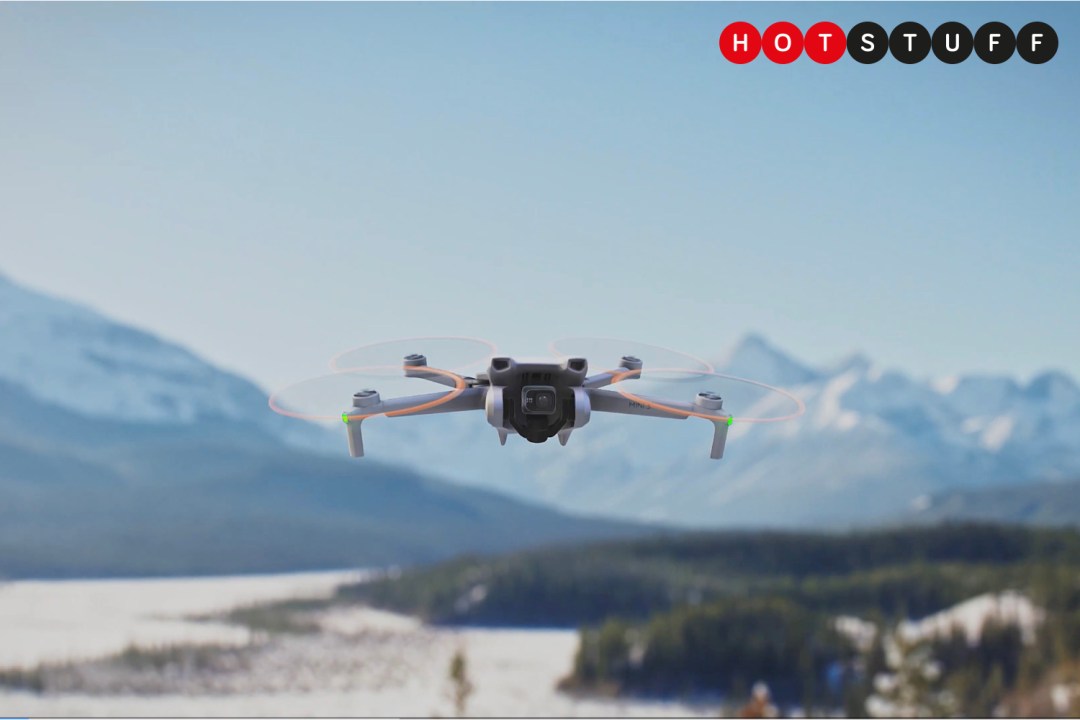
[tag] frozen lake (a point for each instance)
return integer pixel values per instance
(362, 662)
(57, 620)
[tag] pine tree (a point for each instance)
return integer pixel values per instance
(462, 686)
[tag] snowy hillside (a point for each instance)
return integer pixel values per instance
(122, 454)
(70, 356)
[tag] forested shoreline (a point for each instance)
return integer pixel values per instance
(709, 614)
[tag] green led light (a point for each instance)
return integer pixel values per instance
(345, 418)
(731, 419)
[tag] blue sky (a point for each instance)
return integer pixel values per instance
(269, 184)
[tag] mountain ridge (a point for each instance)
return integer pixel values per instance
(872, 439)
(1048, 503)
(117, 488)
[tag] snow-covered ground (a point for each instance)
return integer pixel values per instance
(363, 662)
(51, 621)
(969, 617)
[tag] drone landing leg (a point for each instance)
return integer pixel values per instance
(356, 439)
(719, 438)
(502, 436)
(564, 436)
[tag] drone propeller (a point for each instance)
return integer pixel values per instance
(746, 401)
(390, 390)
(456, 354)
(382, 380)
(604, 353)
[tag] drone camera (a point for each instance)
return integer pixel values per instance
(538, 399)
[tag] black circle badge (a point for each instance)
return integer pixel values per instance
(994, 42)
(909, 42)
(952, 42)
(867, 43)
(1037, 42)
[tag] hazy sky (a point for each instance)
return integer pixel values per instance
(269, 184)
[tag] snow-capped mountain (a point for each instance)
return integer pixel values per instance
(71, 357)
(872, 444)
(121, 453)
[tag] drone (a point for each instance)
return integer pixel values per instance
(536, 400)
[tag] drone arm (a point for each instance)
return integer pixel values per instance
(602, 379)
(613, 402)
(430, 404)
(608, 401)
(629, 368)
(433, 403)
(423, 373)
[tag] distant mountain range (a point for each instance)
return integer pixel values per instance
(123, 454)
(1040, 503)
(82, 396)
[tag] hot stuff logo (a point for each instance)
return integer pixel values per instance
(868, 42)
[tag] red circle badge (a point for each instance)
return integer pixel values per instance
(740, 42)
(825, 42)
(782, 42)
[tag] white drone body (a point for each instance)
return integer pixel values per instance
(536, 400)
